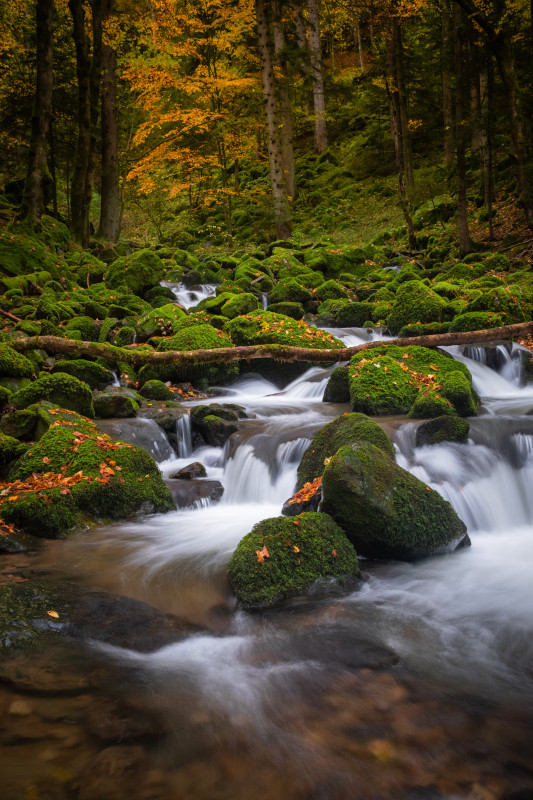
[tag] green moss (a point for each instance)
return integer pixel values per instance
(89, 329)
(5, 394)
(10, 450)
(353, 315)
(161, 321)
(338, 387)
(49, 515)
(20, 424)
(379, 386)
(415, 302)
(264, 327)
(429, 403)
(124, 336)
(442, 429)
(239, 304)
(116, 403)
(384, 510)
(513, 301)
(13, 364)
(21, 254)
(196, 337)
(331, 290)
(299, 555)
(64, 390)
(457, 389)
(476, 321)
(156, 390)
(341, 431)
(418, 329)
(138, 272)
(93, 374)
(292, 310)
(289, 290)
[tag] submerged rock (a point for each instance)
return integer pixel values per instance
(191, 471)
(442, 429)
(187, 493)
(282, 557)
(384, 510)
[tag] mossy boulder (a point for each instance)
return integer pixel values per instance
(282, 557)
(88, 327)
(331, 290)
(93, 374)
(476, 321)
(215, 422)
(514, 302)
(116, 403)
(138, 272)
(116, 479)
(391, 380)
(292, 310)
(338, 387)
(5, 394)
(196, 337)
(239, 304)
(21, 254)
(13, 364)
(10, 450)
(64, 390)
(415, 302)
(344, 430)
(123, 337)
(265, 327)
(442, 429)
(162, 321)
(157, 390)
(354, 315)
(289, 290)
(384, 510)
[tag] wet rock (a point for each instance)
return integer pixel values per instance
(338, 387)
(191, 471)
(115, 773)
(216, 422)
(442, 429)
(187, 493)
(385, 511)
(17, 542)
(293, 509)
(116, 403)
(122, 720)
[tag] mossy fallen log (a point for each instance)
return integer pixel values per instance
(139, 357)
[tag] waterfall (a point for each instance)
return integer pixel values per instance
(184, 435)
(190, 296)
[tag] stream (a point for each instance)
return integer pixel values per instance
(416, 686)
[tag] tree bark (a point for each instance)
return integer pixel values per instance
(447, 93)
(282, 219)
(319, 102)
(285, 111)
(137, 358)
(460, 135)
(109, 227)
(33, 198)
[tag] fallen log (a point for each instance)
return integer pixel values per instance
(139, 357)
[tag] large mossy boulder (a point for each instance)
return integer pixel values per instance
(442, 429)
(87, 473)
(384, 510)
(10, 450)
(347, 429)
(138, 272)
(264, 327)
(289, 290)
(239, 304)
(161, 321)
(415, 380)
(116, 403)
(62, 389)
(282, 557)
(215, 422)
(415, 302)
(94, 375)
(13, 364)
(338, 387)
(156, 390)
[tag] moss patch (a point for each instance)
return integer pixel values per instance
(62, 389)
(264, 327)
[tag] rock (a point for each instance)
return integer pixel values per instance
(113, 774)
(338, 387)
(216, 422)
(442, 429)
(280, 559)
(93, 374)
(115, 403)
(294, 509)
(194, 470)
(341, 431)
(385, 511)
(156, 390)
(64, 390)
(187, 493)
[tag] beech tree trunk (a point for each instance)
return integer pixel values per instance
(137, 358)
(282, 218)
(286, 131)
(319, 103)
(33, 198)
(447, 93)
(460, 134)
(109, 227)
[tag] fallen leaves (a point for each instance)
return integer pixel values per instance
(262, 554)
(307, 491)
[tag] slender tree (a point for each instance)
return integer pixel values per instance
(319, 102)
(285, 112)
(461, 72)
(33, 199)
(110, 201)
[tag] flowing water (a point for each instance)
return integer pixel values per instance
(419, 684)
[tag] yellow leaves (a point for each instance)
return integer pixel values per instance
(296, 549)
(53, 614)
(262, 554)
(306, 492)
(334, 553)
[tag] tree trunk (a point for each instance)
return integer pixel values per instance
(33, 199)
(319, 103)
(460, 136)
(447, 93)
(286, 131)
(109, 227)
(407, 156)
(137, 358)
(282, 218)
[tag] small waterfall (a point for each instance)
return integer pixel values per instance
(184, 435)
(503, 358)
(190, 296)
(142, 432)
(116, 381)
(523, 442)
(264, 300)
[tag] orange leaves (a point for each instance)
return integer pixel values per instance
(306, 492)
(6, 528)
(262, 554)
(53, 614)
(46, 460)
(334, 553)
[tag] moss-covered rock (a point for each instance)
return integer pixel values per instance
(280, 559)
(162, 321)
(264, 327)
(88, 327)
(292, 310)
(427, 329)
(64, 390)
(476, 321)
(215, 422)
(354, 315)
(156, 390)
(10, 450)
(344, 430)
(5, 394)
(116, 403)
(457, 389)
(384, 510)
(123, 337)
(138, 272)
(289, 290)
(442, 429)
(196, 337)
(239, 304)
(13, 364)
(47, 515)
(391, 380)
(415, 302)
(93, 374)
(338, 387)
(331, 290)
